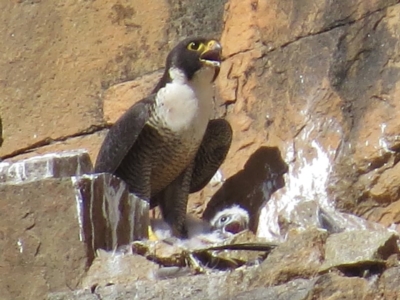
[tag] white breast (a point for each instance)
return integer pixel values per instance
(186, 107)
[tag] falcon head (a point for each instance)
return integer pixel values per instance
(233, 219)
(194, 54)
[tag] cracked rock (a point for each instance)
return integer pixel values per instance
(53, 219)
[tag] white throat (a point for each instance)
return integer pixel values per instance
(187, 106)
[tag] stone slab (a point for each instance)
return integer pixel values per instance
(40, 239)
(52, 165)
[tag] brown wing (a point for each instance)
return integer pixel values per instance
(211, 154)
(122, 135)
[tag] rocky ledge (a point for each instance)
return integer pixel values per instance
(55, 215)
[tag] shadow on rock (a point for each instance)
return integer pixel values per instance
(251, 187)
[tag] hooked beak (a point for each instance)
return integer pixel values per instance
(211, 56)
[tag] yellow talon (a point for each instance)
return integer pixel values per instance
(152, 235)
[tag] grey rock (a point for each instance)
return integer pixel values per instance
(289, 272)
(77, 295)
(390, 283)
(210, 286)
(335, 287)
(298, 289)
(118, 267)
(359, 247)
(300, 256)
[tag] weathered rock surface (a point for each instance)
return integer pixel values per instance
(40, 238)
(335, 287)
(53, 78)
(113, 267)
(111, 216)
(277, 93)
(315, 82)
(373, 248)
(216, 285)
(389, 283)
(64, 164)
(57, 217)
(53, 218)
(278, 276)
(310, 89)
(301, 256)
(90, 143)
(298, 289)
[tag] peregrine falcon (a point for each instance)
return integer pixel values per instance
(167, 145)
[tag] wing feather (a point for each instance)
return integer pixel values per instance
(122, 135)
(211, 154)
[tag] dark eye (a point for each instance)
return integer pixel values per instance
(223, 219)
(194, 46)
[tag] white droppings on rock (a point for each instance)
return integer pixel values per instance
(20, 246)
(218, 178)
(79, 206)
(43, 166)
(382, 142)
(306, 180)
(110, 207)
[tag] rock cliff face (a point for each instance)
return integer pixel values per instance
(311, 90)
(319, 82)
